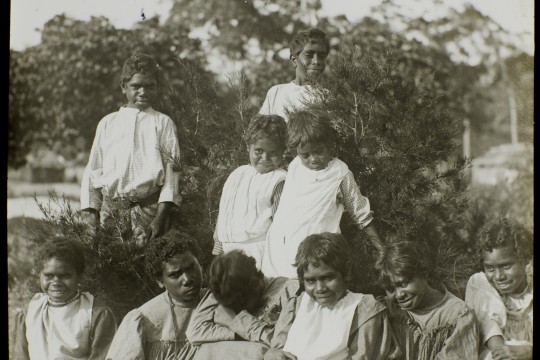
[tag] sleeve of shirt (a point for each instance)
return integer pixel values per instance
(371, 336)
(276, 195)
(464, 342)
(170, 191)
(91, 197)
(128, 343)
(284, 322)
(19, 350)
(218, 246)
(356, 204)
(265, 108)
(251, 328)
(102, 332)
(485, 309)
(202, 328)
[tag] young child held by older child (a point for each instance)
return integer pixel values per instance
(235, 320)
(502, 295)
(62, 322)
(131, 161)
(251, 193)
(309, 50)
(318, 188)
(327, 321)
(428, 323)
(157, 329)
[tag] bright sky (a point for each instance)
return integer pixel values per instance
(29, 16)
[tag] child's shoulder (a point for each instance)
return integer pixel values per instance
(284, 86)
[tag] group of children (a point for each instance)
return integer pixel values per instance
(278, 283)
(247, 315)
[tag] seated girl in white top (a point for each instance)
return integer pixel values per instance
(318, 188)
(62, 322)
(309, 50)
(251, 193)
(502, 295)
(326, 321)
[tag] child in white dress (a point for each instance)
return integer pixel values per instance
(502, 295)
(251, 193)
(318, 188)
(62, 322)
(326, 321)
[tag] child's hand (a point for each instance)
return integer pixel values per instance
(513, 352)
(91, 217)
(159, 224)
(278, 354)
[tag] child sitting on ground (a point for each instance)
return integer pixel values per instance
(62, 322)
(318, 188)
(156, 330)
(251, 193)
(309, 50)
(327, 321)
(131, 161)
(428, 323)
(502, 295)
(235, 320)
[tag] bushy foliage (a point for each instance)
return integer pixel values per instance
(396, 139)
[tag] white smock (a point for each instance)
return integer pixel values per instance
(59, 332)
(322, 333)
(308, 205)
(245, 210)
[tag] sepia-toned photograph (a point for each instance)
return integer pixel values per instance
(270, 180)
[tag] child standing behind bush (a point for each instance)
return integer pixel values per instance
(502, 295)
(251, 193)
(131, 161)
(157, 329)
(62, 322)
(309, 50)
(318, 188)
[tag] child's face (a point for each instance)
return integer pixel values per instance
(505, 271)
(324, 284)
(411, 294)
(140, 91)
(314, 156)
(182, 277)
(311, 61)
(59, 280)
(265, 155)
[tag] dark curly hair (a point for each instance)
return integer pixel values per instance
(162, 249)
(140, 63)
(310, 126)
(236, 282)
(328, 248)
(403, 258)
(271, 127)
(304, 37)
(62, 248)
(502, 233)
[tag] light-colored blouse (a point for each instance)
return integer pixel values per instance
(132, 158)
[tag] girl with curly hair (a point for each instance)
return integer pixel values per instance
(157, 329)
(502, 294)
